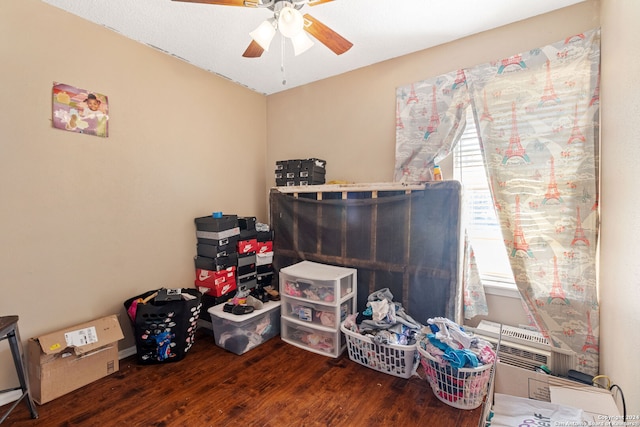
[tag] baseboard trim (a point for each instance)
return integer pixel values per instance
(127, 352)
(10, 396)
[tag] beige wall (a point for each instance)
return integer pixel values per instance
(87, 222)
(620, 204)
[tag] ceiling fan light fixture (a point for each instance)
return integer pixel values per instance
(301, 43)
(264, 33)
(290, 21)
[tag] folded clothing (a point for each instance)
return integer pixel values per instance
(450, 344)
(385, 320)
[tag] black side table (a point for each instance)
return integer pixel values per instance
(9, 330)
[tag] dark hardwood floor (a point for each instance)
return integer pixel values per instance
(275, 384)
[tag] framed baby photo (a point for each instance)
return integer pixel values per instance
(80, 110)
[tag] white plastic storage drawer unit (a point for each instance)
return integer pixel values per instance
(315, 299)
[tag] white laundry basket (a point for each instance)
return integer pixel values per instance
(462, 388)
(392, 359)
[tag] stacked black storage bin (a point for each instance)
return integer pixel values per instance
(300, 172)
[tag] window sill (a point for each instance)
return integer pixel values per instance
(500, 289)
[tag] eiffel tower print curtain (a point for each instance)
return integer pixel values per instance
(537, 116)
(430, 119)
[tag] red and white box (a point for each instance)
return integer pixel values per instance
(217, 289)
(264, 247)
(247, 246)
(210, 277)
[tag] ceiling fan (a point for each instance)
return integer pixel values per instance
(290, 22)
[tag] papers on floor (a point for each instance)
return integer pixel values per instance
(597, 403)
(511, 411)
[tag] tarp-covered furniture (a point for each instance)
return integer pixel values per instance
(402, 237)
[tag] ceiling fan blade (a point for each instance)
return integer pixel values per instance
(223, 2)
(317, 2)
(326, 35)
(254, 50)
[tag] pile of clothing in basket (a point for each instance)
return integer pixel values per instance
(385, 321)
(450, 344)
(456, 363)
(384, 337)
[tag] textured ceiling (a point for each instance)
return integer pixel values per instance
(213, 37)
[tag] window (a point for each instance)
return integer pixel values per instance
(478, 210)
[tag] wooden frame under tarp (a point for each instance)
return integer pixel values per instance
(403, 237)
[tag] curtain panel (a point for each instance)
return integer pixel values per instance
(430, 118)
(537, 116)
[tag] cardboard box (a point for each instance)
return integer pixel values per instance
(520, 382)
(597, 403)
(65, 360)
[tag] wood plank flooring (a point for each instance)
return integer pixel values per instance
(275, 384)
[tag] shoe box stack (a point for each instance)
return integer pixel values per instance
(217, 257)
(247, 247)
(264, 258)
(300, 172)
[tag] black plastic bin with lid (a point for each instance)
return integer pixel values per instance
(164, 323)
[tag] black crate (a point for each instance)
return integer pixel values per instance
(209, 223)
(164, 331)
(313, 164)
(300, 172)
(303, 181)
(283, 182)
(313, 173)
(293, 164)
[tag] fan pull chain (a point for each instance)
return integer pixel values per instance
(284, 77)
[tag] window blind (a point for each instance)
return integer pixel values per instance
(479, 215)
